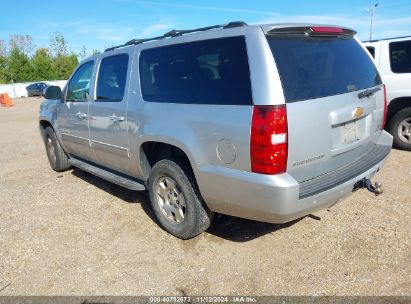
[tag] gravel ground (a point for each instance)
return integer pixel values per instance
(74, 234)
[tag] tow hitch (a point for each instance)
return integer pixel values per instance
(366, 183)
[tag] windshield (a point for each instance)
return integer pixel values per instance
(314, 67)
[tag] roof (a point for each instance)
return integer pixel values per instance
(175, 33)
(384, 39)
(234, 24)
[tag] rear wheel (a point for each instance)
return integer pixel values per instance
(57, 157)
(176, 201)
(400, 128)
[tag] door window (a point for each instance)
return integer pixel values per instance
(79, 85)
(112, 76)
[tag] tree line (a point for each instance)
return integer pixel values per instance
(21, 62)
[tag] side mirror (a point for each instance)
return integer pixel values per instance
(53, 92)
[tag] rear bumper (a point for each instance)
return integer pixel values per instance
(278, 198)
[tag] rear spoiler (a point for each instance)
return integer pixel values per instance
(328, 31)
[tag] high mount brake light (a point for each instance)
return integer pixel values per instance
(326, 30)
(312, 31)
(269, 139)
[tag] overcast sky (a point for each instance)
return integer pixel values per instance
(100, 24)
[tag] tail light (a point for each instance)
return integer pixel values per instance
(384, 119)
(268, 144)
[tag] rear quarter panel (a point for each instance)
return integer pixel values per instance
(203, 132)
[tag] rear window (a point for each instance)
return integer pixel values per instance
(400, 56)
(314, 67)
(211, 71)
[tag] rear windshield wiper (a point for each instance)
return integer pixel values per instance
(368, 92)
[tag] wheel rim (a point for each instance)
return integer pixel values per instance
(51, 151)
(171, 200)
(404, 130)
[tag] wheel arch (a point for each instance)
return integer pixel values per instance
(43, 124)
(152, 151)
(396, 105)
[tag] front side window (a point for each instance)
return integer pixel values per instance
(79, 85)
(400, 56)
(112, 75)
(211, 71)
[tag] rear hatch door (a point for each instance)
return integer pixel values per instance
(334, 97)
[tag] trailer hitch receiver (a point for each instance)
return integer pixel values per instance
(366, 183)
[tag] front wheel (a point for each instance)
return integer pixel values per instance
(400, 128)
(176, 201)
(57, 157)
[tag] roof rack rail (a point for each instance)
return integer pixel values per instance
(175, 33)
(382, 39)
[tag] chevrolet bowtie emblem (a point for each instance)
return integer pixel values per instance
(358, 112)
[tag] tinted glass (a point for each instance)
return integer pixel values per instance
(203, 72)
(314, 67)
(112, 77)
(79, 85)
(371, 50)
(400, 56)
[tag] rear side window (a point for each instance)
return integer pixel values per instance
(400, 56)
(371, 50)
(314, 67)
(112, 76)
(211, 71)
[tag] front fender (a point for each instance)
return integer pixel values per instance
(48, 115)
(48, 111)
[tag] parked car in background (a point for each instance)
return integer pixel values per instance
(36, 89)
(266, 122)
(393, 58)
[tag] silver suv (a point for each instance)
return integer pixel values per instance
(266, 122)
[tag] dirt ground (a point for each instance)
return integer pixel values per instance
(74, 234)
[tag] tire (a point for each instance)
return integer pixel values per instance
(57, 157)
(179, 207)
(400, 128)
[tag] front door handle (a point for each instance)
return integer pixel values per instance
(81, 115)
(116, 118)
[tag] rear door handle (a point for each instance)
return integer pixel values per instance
(81, 115)
(115, 118)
